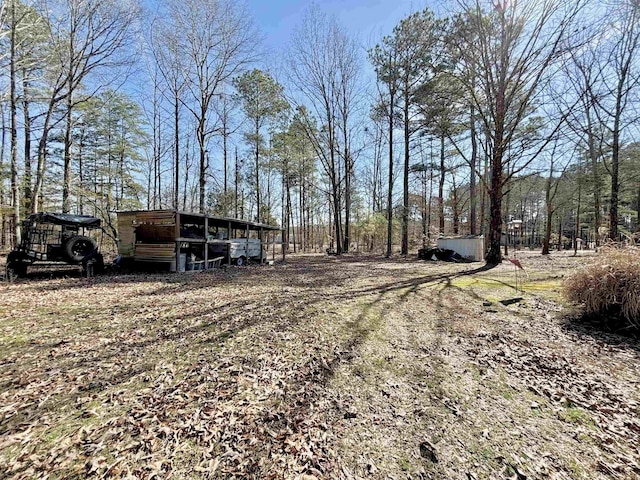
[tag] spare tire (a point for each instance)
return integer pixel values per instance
(79, 247)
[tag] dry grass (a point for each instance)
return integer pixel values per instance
(609, 285)
(346, 367)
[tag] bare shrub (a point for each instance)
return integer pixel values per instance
(610, 285)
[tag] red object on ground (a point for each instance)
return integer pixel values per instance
(517, 263)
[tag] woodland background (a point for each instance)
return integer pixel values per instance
(517, 120)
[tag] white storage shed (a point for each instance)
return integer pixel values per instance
(470, 247)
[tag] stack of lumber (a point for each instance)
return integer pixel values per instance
(155, 252)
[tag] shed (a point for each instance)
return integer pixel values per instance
(189, 241)
(470, 246)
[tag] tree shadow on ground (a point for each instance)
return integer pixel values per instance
(607, 329)
(219, 324)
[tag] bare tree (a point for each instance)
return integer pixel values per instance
(15, 195)
(86, 37)
(321, 58)
(552, 184)
(583, 78)
(165, 47)
(262, 101)
(620, 79)
(385, 61)
(413, 48)
(512, 48)
(218, 39)
(349, 67)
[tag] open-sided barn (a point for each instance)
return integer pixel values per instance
(190, 241)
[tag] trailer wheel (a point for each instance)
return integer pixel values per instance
(93, 265)
(79, 247)
(15, 267)
(241, 261)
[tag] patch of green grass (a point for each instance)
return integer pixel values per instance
(470, 281)
(586, 438)
(404, 463)
(13, 342)
(575, 415)
(90, 416)
(507, 394)
(542, 285)
(482, 452)
(576, 469)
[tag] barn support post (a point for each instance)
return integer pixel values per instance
(246, 236)
(260, 237)
(176, 219)
(206, 243)
(229, 243)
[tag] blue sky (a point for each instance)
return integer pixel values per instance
(368, 20)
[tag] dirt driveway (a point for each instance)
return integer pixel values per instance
(326, 367)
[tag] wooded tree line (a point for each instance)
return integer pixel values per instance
(516, 120)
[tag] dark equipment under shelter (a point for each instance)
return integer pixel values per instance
(183, 241)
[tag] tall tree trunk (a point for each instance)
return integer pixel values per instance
(637, 207)
(506, 206)
(494, 256)
(597, 185)
(3, 217)
(26, 193)
(546, 247)
(390, 192)
(290, 224)
(560, 231)
(577, 232)
(429, 203)
(81, 178)
(336, 216)
(425, 228)
(615, 183)
(224, 153)
(300, 214)
(15, 191)
(66, 180)
(456, 211)
(237, 176)
(257, 166)
(176, 141)
(203, 162)
(347, 185)
(405, 179)
(472, 183)
(441, 187)
(267, 208)
(483, 200)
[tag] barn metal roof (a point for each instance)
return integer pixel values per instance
(220, 222)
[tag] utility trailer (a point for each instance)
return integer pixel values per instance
(242, 250)
(57, 238)
(183, 241)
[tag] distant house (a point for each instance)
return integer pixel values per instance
(182, 241)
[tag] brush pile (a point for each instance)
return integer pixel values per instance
(610, 287)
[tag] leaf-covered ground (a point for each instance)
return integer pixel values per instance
(326, 367)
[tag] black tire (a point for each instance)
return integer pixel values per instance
(241, 261)
(15, 267)
(79, 247)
